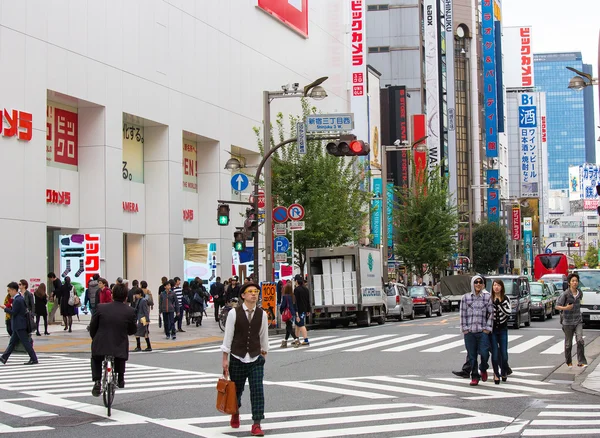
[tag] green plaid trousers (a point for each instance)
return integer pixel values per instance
(254, 372)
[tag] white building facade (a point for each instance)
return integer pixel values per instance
(119, 117)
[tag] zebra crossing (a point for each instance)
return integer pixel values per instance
(48, 379)
(392, 343)
(522, 383)
(565, 420)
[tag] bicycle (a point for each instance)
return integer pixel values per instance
(224, 311)
(109, 382)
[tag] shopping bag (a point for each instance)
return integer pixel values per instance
(286, 315)
(226, 396)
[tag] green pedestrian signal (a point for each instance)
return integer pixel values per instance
(223, 215)
(239, 241)
(238, 246)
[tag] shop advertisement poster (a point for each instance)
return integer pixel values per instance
(376, 211)
(489, 79)
(133, 152)
(200, 260)
(79, 258)
(269, 302)
(190, 166)
(61, 136)
(529, 140)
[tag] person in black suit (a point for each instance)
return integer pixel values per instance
(110, 327)
(217, 291)
(19, 325)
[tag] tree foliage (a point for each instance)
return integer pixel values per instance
(489, 246)
(425, 224)
(591, 257)
(329, 188)
(578, 261)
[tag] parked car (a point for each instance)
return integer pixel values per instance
(555, 293)
(558, 280)
(399, 303)
(541, 301)
(453, 287)
(425, 301)
(517, 290)
(589, 282)
(446, 304)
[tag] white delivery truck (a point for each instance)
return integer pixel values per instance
(346, 285)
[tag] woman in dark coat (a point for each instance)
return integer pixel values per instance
(66, 310)
(142, 319)
(41, 309)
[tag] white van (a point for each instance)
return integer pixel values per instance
(589, 283)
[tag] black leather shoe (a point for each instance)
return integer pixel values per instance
(121, 384)
(97, 389)
(2, 360)
(31, 362)
(461, 374)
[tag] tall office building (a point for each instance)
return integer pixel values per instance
(570, 115)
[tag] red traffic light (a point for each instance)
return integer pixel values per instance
(359, 148)
(348, 146)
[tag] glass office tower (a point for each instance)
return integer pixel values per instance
(570, 115)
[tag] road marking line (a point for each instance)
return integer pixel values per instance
(521, 348)
(309, 386)
(570, 422)
(7, 429)
(319, 343)
(445, 347)
(421, 343)
(552, 432)
(511, 429)
(404, 390)
(388, 342)
(566, 406)
(22, 411)
(467, 389)
(555, 349)
(510, 339)
(568, 414)
(534, 368)
(349, 344)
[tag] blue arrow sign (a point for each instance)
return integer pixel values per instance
(281, 244)
(239, 182)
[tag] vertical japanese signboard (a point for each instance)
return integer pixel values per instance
(420, 157)
(374, 119)
(269, 302)
(528, 240)
(190, 166)
(589, 180)
(61, 136)
(358, 68)
(432, 83)
(489, 80)
(493, 199)
(376, 213)
(518, 57)
(450, 100)
(390, 215)
(528, 144)
(516, 222)
(79, 258)
(402, 133)
(133, 152)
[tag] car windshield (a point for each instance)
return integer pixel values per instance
(417, 291)
(589, 279)
(510, 286)
(558, 284)
(390, 291)
(536, 289)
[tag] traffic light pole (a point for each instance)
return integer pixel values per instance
(269, 213)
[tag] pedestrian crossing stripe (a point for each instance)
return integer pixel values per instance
(390, 343)
(582, 420)
(388, 387)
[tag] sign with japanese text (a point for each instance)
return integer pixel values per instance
(190, 166)
(516, 223)
(15, 123)
(489, 79)
(518, 57)
(582, 185)
(292, 13)
(61, 136)
(492, 176)
(575, 186)
(59, 198)
(376, 211)
(188, 215)
(432, 78)
(528, 240)
(358, 67)
(402, 133)
(493, 202)
(529, 146)
(269, 302)
(133, 152)
(390, 215)
(329, 122)
(79, 258)
(420, 157)
(374, 139)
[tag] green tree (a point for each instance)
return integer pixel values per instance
(425, 224)
(591, 257)
(578, 261)
(329, 188)
(489, 246)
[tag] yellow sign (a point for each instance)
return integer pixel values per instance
(133, 153)
(269, 302)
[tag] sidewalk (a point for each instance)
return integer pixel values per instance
(61, 341)
(587, 379)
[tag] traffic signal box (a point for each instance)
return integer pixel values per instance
(348, 146)
(239, 241)
(573, 244)
(250, 224)
(223, 215)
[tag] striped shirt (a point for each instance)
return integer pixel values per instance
(179, 294)
(476, 312)
(501, 313)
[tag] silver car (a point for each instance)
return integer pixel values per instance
(399, 303)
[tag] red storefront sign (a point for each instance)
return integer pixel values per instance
(526, 57)
(516, 223)
(16, 123)
(293, 13)
(358, 47)
(92, 256)
(188, 215)
(543, 129)
(131, 207)
(419, 130)
(59, 198)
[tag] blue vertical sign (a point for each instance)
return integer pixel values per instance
(528, 240)
(390, 213)
(492, 176)
(489, 80)
(376, 213)
(493, 200)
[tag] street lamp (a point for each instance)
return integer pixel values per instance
(579, 82)
(312, 90)
(233, 164)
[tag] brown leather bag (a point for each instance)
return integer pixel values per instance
(226, 396)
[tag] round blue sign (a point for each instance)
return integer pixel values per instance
(239, 182)
(280, 214)
(281, 244)
(548, 251)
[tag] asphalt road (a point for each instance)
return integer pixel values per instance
(383, 381)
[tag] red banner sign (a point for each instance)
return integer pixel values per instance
(16, 123)
(131, 207)
(516, 223)
(58, 198)
(188, 215)
(92, 256)
(526, 57)
(419, 131)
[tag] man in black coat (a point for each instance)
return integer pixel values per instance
(217, 291)
(110, 327)
(19, 325)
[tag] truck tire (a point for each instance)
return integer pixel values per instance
(381, 320)
(364, 319)
(346, 323)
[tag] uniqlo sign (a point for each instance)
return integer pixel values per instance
(516, 223)
(292, 13)
(61, 136)
(16, 123)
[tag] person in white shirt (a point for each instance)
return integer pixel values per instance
(245, 347)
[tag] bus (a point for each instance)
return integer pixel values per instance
(553, 263)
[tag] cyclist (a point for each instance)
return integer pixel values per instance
(110, 327)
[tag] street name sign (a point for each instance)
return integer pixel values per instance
(330, 122)
(301, 135)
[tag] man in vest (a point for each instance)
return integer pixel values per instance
(245, 346)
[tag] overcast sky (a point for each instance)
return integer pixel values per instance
(560, 26)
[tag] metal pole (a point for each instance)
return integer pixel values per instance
(256, 235)
(470, 153)
(293, 253)
(384, 218)
(268, 198)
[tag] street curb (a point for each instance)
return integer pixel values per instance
(577, 384)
